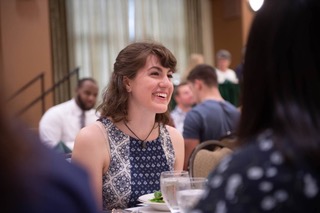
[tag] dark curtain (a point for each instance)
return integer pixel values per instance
(59, 45)
(194, 26)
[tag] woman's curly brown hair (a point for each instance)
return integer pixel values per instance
(128, 62)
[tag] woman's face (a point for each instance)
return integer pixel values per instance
(152, 88)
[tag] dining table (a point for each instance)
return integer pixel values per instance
(144, 209)
(138, 209)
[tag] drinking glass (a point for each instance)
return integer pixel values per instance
(189, 192)
(168, 184)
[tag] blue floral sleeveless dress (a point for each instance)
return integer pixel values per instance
(134, 170)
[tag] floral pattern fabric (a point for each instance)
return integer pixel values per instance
(258, 179)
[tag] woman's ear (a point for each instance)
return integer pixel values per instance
(126, 82)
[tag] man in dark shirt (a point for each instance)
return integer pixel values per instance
(212, 117)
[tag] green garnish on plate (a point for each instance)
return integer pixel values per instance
(157, 197)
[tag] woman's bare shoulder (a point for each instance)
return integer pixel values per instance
(90, 144)
(174, 133)
(178, 145)
(92, 132)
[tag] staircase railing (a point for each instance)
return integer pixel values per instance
(40, 78)
(44, 92)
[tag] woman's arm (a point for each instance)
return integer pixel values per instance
(178, 146)
(91, 152)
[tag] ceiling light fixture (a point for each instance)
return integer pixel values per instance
(255, 5)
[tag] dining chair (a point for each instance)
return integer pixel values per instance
(229, 140)
(206, 156)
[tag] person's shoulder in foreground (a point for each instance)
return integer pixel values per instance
(43, 181)
(256, 178)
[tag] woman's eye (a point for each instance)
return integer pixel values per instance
(155, 73)
(170, 76)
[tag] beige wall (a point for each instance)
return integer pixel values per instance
(26, 52)
(231, 22)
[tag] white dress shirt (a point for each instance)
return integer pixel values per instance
(229, 75)
(178, 117)
(61, 123)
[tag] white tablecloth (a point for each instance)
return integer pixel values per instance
(145, 209)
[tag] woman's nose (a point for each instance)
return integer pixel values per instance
(165, 82)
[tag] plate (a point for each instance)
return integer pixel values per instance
(156, 206)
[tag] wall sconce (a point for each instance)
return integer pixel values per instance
(255, 5)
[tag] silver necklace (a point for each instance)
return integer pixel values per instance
(144, 143)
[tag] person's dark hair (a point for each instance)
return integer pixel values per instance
(281, 77)
(128, 62)
(224, 54)
(205, 73)
(82, 80)
(176, 89)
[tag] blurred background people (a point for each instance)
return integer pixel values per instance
(35, 179)
(277, 168)
(194, 60)
(224, 73)
(131, 144)
(184, 101)
(61, 123)
(212, 117)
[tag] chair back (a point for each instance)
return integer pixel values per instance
(206, 156)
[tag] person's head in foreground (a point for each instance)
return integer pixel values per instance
(34, 178)
(277, 169)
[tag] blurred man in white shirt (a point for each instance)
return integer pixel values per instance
(61, 123)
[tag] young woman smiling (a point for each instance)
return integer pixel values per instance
(131, 144)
